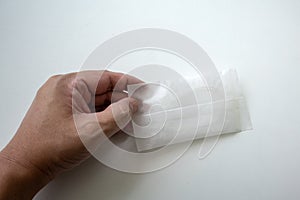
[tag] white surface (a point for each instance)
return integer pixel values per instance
(260, 38)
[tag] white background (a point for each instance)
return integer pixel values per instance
(259, 38)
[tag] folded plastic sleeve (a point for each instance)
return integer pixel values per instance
(176, 111)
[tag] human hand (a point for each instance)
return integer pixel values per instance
(47, 141)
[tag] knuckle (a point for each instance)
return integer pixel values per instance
(50, 84)
(54, 77)
(53, 80)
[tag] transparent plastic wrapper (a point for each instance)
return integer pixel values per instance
(175, 111)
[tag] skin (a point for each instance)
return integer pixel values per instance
(48, 142)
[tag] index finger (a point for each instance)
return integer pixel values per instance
(100, 82)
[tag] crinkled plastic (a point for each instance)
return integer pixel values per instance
(175, 111)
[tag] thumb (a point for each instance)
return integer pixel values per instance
(117, 115)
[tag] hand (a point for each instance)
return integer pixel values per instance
(47, 141)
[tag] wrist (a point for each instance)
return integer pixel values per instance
(19, 180)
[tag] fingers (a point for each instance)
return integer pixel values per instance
(105, 87)
(82, 88)
(117, 115)
(79, 102)
(109, 97)
(100, 82)
(120, 81)
(104, 100)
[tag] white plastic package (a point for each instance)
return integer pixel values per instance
(175, 111)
